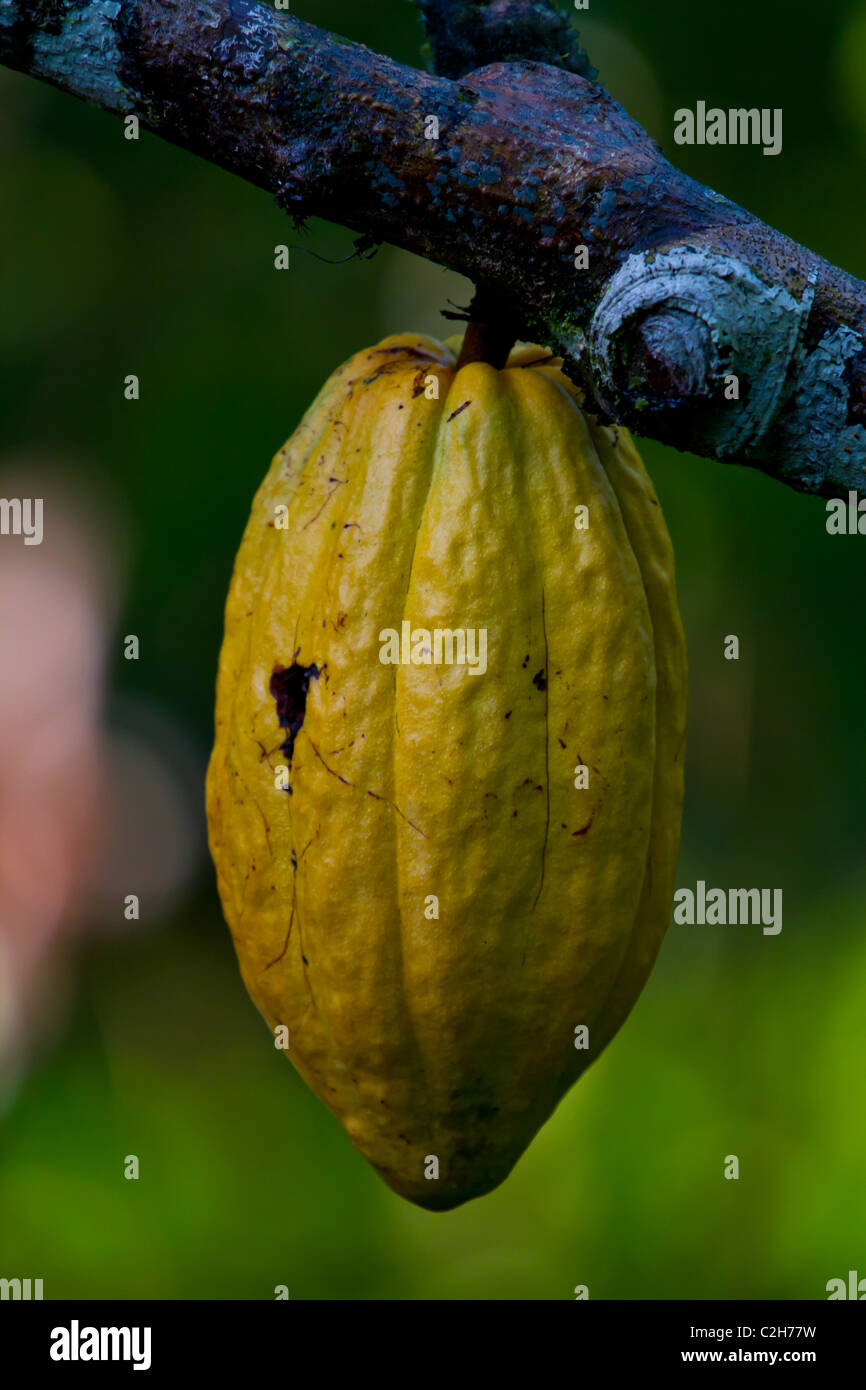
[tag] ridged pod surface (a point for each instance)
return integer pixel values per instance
(419, 885)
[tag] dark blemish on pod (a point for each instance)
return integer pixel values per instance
(539, 680)
(289, 686)
(457, 411)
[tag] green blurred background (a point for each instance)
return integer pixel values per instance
(137, 1037)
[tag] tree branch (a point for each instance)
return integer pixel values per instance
(683, 289)
(469, 34)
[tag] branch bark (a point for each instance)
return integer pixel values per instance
(683, 289)
(468, 34)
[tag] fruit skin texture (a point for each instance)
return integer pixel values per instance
(449, 1037)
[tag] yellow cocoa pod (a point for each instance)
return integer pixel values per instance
(448, 880)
